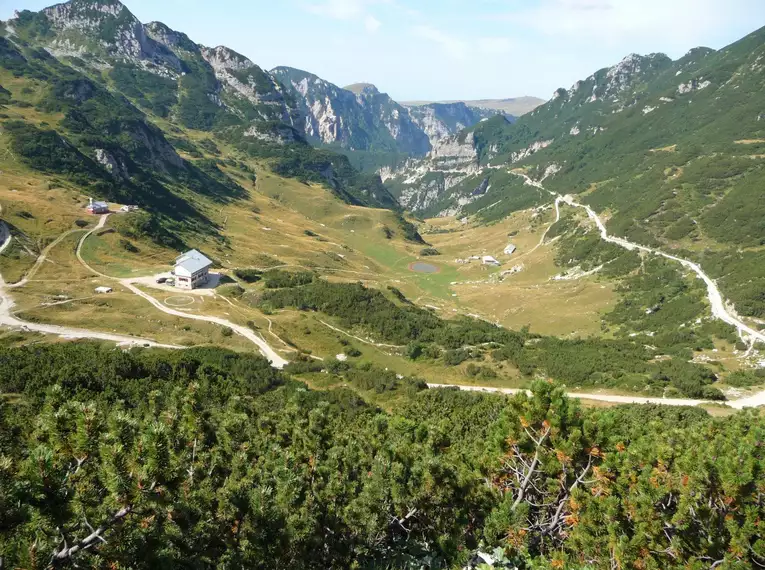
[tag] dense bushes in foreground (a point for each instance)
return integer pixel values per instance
(212, 457)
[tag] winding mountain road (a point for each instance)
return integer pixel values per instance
(716, 299)
(9, 320)
(753, 401)
(599, 397)
(276, 360)
(719, 308)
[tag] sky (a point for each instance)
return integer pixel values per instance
(450, 49)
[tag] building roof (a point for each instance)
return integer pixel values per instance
(193, 261)
(98, 205)
(510, 248)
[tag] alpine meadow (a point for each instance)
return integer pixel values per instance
(250, 318)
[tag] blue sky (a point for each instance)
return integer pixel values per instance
(450, 49)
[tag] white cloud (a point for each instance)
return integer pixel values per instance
(372, 24)
(339, 9)
(349, 11)
(674, 22)
(451, 45)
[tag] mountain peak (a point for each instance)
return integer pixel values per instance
(222, 57)
(168, 37)
(293, 73)
(362, 89)
(102, 29)
(77, 12)
(635, 63)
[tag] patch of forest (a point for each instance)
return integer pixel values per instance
(626, 363)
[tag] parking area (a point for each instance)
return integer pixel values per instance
(166, 283)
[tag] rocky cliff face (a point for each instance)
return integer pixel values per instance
(105, 28)
(242, 79)
(357, 118)
(360, 117)
(175, 41)
(331, 115)
(216, 84)
(426, 185)
(385, 114)
(105, 34)
(440, 120)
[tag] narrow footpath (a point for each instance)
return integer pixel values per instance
(719, 308)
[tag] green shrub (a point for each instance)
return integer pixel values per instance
(278, 279)
(249, 275)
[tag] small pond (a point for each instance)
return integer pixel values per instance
(421, 267)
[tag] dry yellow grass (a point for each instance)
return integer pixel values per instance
(671, 148)
(529, 297)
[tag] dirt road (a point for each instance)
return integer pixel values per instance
(719, 308)
(275, 358)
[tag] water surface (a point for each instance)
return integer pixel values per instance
(421, 267)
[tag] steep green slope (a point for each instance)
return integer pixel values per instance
(167, 76)
(104, 145)
(671, 152)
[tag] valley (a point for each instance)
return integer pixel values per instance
(251, 318)
(259, 199)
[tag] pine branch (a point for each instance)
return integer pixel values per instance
(64, 552)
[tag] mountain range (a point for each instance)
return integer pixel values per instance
(218, 85)
(670, 150)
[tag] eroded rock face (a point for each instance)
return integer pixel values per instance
(360, 117)
(242, 78)
(113, 165)
(169, 38)
(278, 134)
(106, 27)
(357, 118)
(330, 114)
(439, 120)
(427, 182)
(529, 150)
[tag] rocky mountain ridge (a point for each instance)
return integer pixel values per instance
(360, 117)
(218, 86)
(670, 153)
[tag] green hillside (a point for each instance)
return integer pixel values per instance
(168, 86)
(454, 369)
(155, 458)
(670, 151)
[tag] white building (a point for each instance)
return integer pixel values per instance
(97, 207)
(510, 249)
(192, 269)
(102, 290)
(489, 260)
